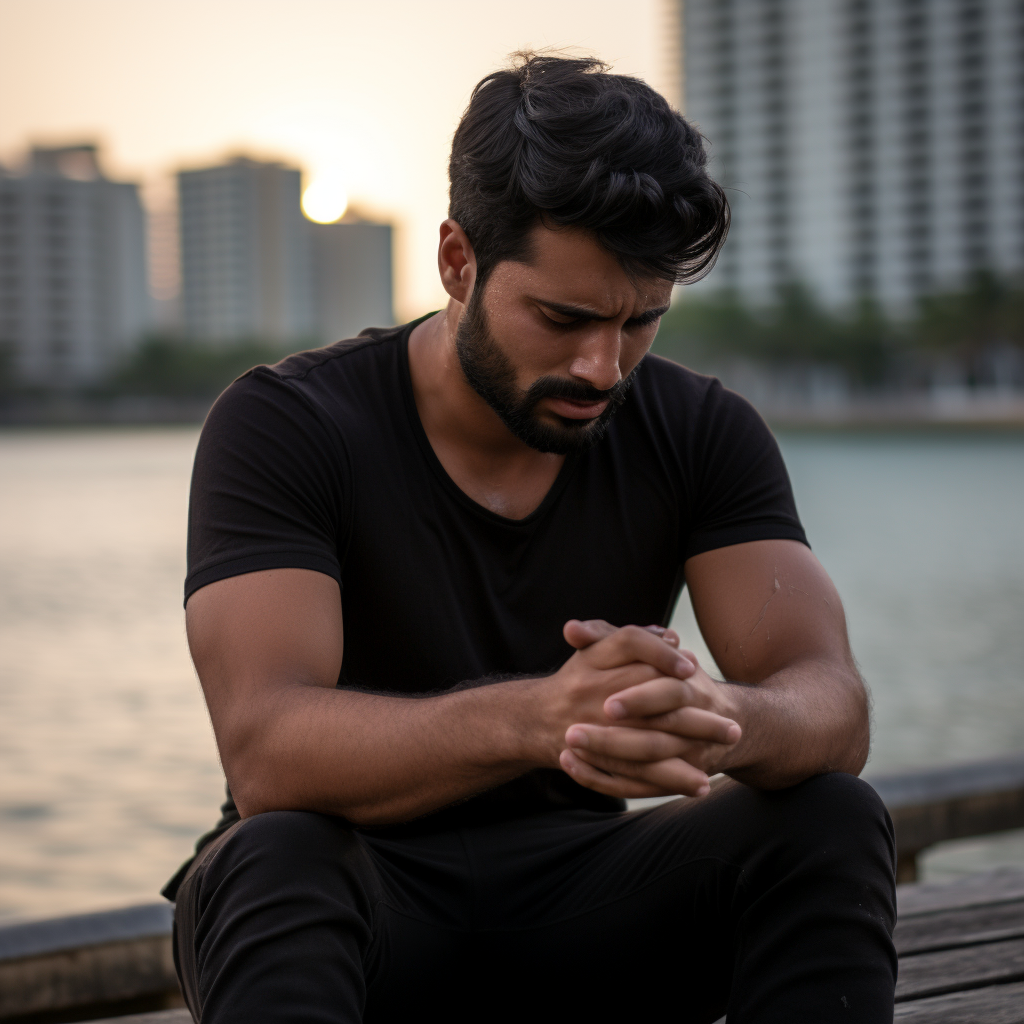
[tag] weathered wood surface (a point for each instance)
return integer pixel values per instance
(984, 888)
(961, 948)
(163, 1017)
(999, 1004)
(965, 967)
(931, 805)
(951, 929)
(104, 962)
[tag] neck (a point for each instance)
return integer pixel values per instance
(483, 457)
(449, 408)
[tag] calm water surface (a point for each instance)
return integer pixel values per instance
(108, 768)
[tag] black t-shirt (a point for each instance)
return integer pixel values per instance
(321, 462)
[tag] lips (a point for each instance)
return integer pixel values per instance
(571, 410)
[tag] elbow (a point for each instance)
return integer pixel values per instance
(853, 739)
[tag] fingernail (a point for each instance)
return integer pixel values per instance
(684, 665)
(656, 630)
(704, 790)
(614, 709)
(577, 738)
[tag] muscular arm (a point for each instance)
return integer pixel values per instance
(774, 623)
(268, 649)
(773, 620)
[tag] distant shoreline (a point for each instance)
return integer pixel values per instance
(914, 411)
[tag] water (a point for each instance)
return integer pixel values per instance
(108, 768)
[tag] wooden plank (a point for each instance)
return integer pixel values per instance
(163, 1017)
(997, 1004)
(112, 972)
(30, 938)
(930, 805)
(965, 926)
(976, 890)
(953, 970)
(920, 786)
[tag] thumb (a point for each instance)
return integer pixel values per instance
(581, 634)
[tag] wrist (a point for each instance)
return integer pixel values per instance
(727, 701)
(538, 721)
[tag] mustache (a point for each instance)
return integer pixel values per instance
(577, 390)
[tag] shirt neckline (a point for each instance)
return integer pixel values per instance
(427, 449)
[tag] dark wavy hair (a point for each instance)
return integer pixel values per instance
(559, 140)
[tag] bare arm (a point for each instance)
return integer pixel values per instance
(775, 625)
(268, 649)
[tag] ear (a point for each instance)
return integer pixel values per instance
(456, 261)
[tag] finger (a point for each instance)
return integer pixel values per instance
(672, 774)
(670, 636)
(624, 743)
(582, 633)
(633, 643)
(602, 782)
(650, 697)
(694, 724)
(654, 697)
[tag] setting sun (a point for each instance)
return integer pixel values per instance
(325, 199)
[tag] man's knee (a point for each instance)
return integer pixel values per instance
(834, 817)
(841, 802)
(281, 849)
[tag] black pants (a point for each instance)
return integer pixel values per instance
(773, 907)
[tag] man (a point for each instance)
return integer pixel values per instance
(430, 814)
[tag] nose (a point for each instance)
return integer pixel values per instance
(597, 359)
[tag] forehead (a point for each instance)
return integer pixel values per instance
(568, 264)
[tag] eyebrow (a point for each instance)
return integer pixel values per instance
(588, 313)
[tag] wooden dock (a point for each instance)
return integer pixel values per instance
(961, 944)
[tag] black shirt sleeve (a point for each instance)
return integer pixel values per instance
(268, 488)
(741, 488)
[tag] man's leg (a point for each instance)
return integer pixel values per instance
(298, 917)
(776, 906)
(276, 923)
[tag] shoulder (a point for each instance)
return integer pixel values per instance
(683, 400)
(314, 390)
(371, 347)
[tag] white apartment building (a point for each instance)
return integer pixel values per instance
(869, 147)
(245, 256)
(74, 296)
(352, 282)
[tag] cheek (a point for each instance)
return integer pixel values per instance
(532, 349)
(634, 348)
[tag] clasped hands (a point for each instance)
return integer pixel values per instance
(649, 721)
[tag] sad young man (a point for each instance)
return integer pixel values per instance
(430, 574)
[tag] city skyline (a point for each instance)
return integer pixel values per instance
(330, 86)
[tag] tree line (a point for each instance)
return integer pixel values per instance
(974, 336)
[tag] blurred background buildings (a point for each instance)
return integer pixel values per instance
(873, 153)
(872, 148)
(245, 253)
(74, 298)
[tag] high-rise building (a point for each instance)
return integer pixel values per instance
(869, 147)
(74, 296)
(245, 259)
(351, 277)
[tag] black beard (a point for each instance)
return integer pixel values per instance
(492, 376)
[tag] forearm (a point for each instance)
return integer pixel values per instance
(807, 719)
(379, 759)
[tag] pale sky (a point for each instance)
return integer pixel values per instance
(370, 92)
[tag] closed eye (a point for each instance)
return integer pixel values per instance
(652, 316)
(562, 323)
